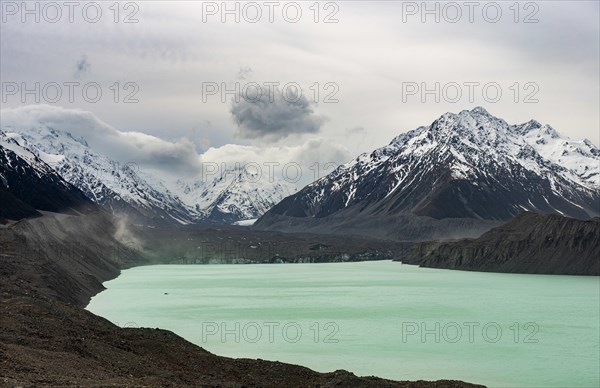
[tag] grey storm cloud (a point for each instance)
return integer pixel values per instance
(82, 67)
(274, 116)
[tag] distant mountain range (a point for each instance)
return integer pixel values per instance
(457, 177)
(122, 189)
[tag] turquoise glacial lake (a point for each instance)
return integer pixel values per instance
(375, 318)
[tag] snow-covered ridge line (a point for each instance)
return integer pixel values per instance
(470, 164)
(477, 131)
(124, 188)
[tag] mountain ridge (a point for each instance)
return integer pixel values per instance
(28, 185)
(124, 189)
(469, 165)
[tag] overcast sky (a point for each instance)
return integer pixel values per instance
(366, 62)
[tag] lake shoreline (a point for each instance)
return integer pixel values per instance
(202, 302)
(49, 338)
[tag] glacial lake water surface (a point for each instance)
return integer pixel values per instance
(375, 318)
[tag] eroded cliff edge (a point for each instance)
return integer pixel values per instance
(531, 243)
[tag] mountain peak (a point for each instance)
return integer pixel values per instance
(479, 110)
(468, 123)
(466, 165)
(525, 128)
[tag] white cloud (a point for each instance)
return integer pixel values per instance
(136, 147)
(368, 54)
(311, 159)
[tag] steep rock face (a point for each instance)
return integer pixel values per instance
(28, 184)
(530, 243)
(470, 165)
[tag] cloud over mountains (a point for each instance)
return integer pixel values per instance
(272, 114)
(180, 158)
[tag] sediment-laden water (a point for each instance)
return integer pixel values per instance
(375, 318)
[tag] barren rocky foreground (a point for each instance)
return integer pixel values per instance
(49, 269)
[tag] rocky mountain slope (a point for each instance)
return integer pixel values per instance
(459, 176)
(28, 184)
(530, 243)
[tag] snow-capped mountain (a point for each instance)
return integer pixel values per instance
(469, 165)
(28, 184)
(236, 194)
(123, 188)
(118, 188)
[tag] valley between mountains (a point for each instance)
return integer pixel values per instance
(468, 191)
(465, 175)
